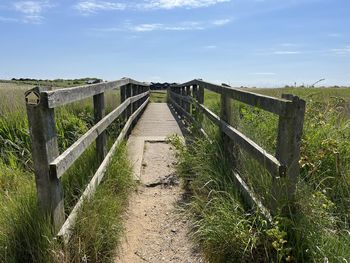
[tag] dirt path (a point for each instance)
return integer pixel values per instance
(154, 230)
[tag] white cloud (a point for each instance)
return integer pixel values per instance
(148, 27)
(170, 4)
(32, 10)
(334, 35)
(8, 19)
(88, 7)
(210, 47)
(93, 6)
(341, 51)
(283, 52)
(187, 26)
(221, 22)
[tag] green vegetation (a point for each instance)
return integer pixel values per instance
(158, 96)
(27, 236)
(318, 229)
(99, 226)
(62, 83)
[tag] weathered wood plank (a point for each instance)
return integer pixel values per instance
(271, 104)
(182, 111)
(226, 116)
(66, 230)
(41, 121)
(68, 95)
(290, 131)
(250, 199)
(187, 99)
(66, 159)
(99, 114)
(139, 96)
(274, 167)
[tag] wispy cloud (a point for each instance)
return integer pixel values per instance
(286, 52)
(221, 22)
(149, 27)
(88, 7)
(334, 35)
(341, 51)
(93, 6)
(32, 10)
(8, 19)
(170, 4)
(210, 47)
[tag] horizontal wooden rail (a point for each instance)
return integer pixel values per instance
(66, 230)
(270, 162)
(250, 198)
(61, 97)
(271, 104)
(185, 113)
(68, 157)
(187, 99)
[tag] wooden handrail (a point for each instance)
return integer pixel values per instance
(69, 156)
(61, 97)
(49, 165)
(66, 230)
(274, 105)
(284, 166)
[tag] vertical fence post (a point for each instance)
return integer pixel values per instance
(200, 99)
(290, 128)
(128, 94)
(41, 121)
(168, 95)
(181, 102)
(226, 115)
(122, 99)
(99, 113)
(188, 93)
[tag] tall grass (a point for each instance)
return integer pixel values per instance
(318, 229)
(99, 227)
(26, 235)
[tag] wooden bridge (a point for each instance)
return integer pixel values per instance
(154, 122)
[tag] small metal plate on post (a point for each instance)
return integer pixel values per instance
(32, 98)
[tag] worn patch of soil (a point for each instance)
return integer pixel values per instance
(154, 230)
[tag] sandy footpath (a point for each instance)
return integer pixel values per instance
(154, 230)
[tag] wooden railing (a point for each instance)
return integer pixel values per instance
(188, 98)
(50, 166)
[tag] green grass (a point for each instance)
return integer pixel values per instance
(158, 96)
(99, 226)
(319, 228)
(25, 234)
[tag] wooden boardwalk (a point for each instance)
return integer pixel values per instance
(154, 231)
(157, 121)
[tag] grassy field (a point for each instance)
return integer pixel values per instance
(158, 96)
(26, 236)
(318, 230)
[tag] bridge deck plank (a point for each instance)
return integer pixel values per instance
(157, 120)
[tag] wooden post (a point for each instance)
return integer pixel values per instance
(168, 90)
(290, 130)
(41, 121)
(226, 115)
(122, 99)
(188, 93)
(200, 99)
(183, 93)
(99, 113)
(128, 94)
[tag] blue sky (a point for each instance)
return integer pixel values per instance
(241, 42)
